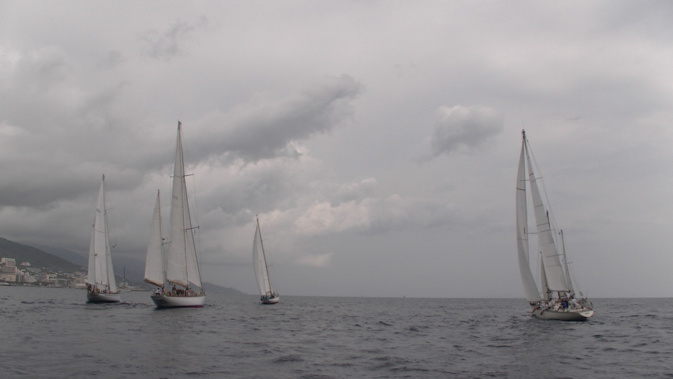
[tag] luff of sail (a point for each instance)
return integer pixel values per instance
(527, 280)
(154, 262)
(182, 266)
(259, 263)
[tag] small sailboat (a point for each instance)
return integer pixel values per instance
(176, 266)
(267, 294)
(557, 299)
(100, 283)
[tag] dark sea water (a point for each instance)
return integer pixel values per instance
(53, 333)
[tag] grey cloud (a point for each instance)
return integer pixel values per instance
(265, 128)
(167, 44)
(111, 60)
(464, 127)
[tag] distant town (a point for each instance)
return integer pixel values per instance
(24, 274)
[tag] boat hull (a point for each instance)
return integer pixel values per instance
(570, 315)
(103, 297)
(167, 301)
(274, 300)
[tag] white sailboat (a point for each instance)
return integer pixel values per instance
(176, 266)
(267, 294)
(100, 283)
(556, 299)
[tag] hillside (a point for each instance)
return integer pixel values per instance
(36, 257)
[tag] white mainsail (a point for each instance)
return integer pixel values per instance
(529, 287)
(259, 264)
(101, 272)
(182, 266)
(154, 263)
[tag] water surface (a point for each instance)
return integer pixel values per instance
(53, 333)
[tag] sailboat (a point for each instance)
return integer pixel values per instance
(556, 299)
(176, 266)
(267, 294)
(100, 282)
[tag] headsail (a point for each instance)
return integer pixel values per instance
(550, 256)
(566, 269)
(154, 263)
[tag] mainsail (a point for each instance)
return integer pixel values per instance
(259, 263)
(529, 287)
(101, 273)
(182, 266)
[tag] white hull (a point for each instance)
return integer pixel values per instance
(103, 297)
(570, 315)
(166, 301)
(274, 300)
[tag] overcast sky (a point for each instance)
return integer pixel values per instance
(377, 140)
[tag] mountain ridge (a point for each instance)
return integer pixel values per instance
(36, 257)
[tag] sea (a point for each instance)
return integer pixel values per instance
(54, 333)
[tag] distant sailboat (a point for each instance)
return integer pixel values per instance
(557, 300)
(100, 283)
(177, 266)
(268, 295)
